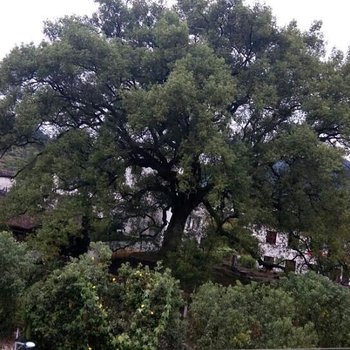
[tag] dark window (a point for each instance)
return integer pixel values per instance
(290, 266)
(269, 260)
(271, 237)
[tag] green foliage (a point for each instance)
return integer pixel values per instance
(62, 232)
(251, 316)
(193, 263)
(141, 110)
(16, 266)
(83, 305)
(307, 183)
(17, 157)
(247, 261)
(66, 310)
(324, 303)
(196, 105)
(150, 309)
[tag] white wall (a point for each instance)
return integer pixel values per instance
(280, 250)
(5, 182)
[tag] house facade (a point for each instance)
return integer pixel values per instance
(277, 249)
(6, 181)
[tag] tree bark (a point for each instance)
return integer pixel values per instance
(174, 232)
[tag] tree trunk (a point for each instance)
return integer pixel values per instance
(174, 232)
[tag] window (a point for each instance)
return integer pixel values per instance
(196, 223)
(271, 237)
(290, 266)
(268, 260)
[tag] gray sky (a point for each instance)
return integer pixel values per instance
(334, 15)
(21, 20)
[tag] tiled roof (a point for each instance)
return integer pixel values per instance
(7, 173)
(24, 222)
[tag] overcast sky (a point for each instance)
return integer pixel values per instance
(334, 15)
(21, 20)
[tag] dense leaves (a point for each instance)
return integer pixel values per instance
(82, 306)
(299, 311)
(252, 316)
(324, 303)
(66, 311)
(16, 265)
(133, 119)
(141, 114)
(151, 310)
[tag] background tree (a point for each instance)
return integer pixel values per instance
(150, 109)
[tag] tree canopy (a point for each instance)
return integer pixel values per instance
(141, 110)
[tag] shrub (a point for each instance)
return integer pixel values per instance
(66, 310)
(247, 261)
(252, 316)
(82, 306)
(190, 264)
(16, 265)
(151, 303)
(324, 303)
(193, 263)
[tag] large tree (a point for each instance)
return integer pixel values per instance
(151, 110)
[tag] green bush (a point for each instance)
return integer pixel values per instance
(82, 306)
(251, 316)
(151, 303)
(247, 261)
(16, 265)
(193, 263)
(66, 310)
(324, 303)
(190, 264)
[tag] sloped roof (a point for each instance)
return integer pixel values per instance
(23, 222)
(7, 173)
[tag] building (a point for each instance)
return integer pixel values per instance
(6, 181)
(277, 249)
(22, 224)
